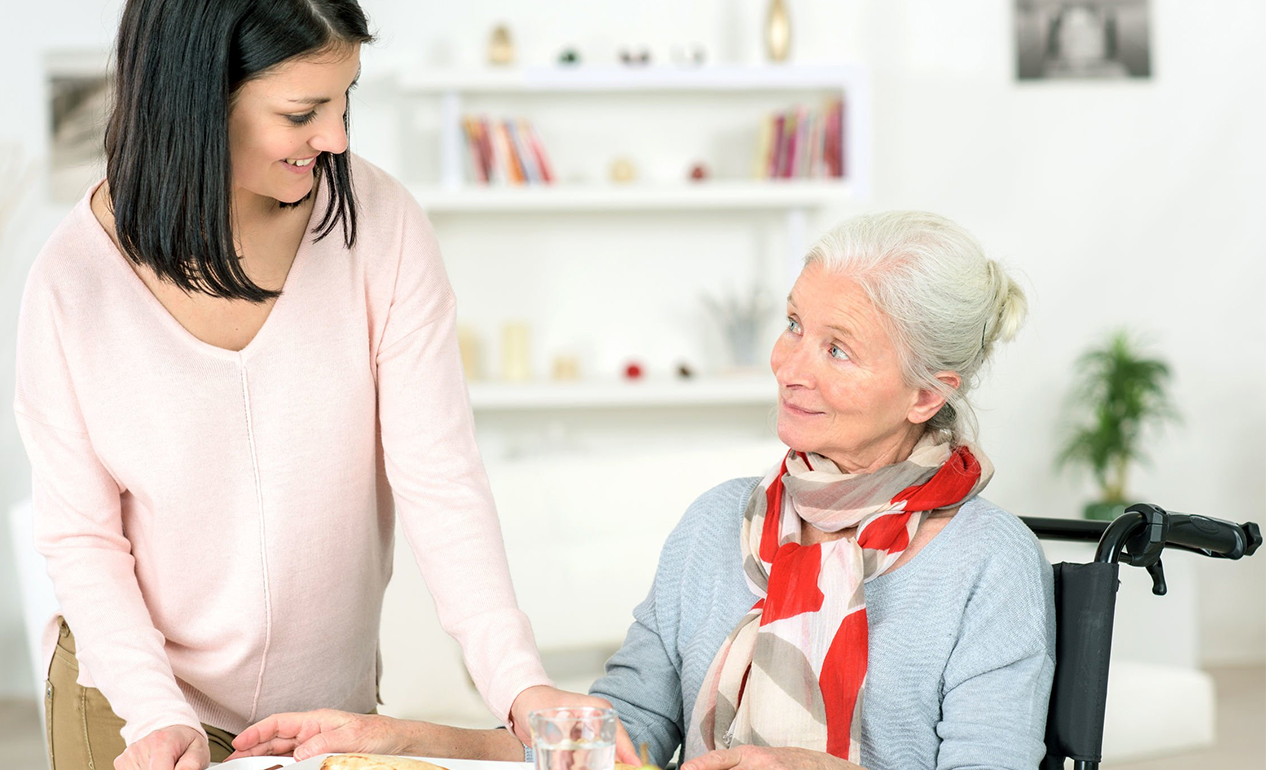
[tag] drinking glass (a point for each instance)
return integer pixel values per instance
(574, 738)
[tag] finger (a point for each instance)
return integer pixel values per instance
(269, 727)
(721, 759)
(190, 761)
(624, 750)
(322, 743)
(277, 747)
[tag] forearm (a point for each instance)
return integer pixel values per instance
(432, 740)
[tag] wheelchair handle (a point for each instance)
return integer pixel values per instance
(1144, 530)
(1215, 537)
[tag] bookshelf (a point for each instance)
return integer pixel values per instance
(715, 196)
(654, 114)
(454, 87)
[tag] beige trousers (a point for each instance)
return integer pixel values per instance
(83, 731)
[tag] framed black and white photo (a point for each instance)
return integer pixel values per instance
(78, 103)
(1082, 39)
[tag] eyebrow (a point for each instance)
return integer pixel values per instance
(313, 101)
(840, 330)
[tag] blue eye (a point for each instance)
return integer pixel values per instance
(302, 120)
(793, 326)
(838, 353)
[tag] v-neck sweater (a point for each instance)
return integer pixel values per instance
(218, 524)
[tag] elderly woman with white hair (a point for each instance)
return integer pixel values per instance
(860, 605)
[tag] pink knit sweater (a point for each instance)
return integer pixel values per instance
(218, 524)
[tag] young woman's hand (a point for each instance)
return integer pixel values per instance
(767, 758)
(179, 747)
(542, 697)
(328, 731)
(323, 731)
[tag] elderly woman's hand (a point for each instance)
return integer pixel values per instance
(542, 697)
(767, 758)
(310, 733)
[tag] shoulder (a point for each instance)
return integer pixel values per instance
(720, 508)
(396, 242)
(709, 527)
(378, 193)
(72, 265)
(995, 547)
(991, 526)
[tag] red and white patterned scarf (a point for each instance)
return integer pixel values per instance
(793, 672)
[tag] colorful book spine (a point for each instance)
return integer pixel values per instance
(779, 147)
(527, 165)
(500, 152)
(537, 148)
(801, 143)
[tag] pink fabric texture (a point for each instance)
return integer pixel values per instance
(218, 524)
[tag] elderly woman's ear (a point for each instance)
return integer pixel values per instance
(929, 401)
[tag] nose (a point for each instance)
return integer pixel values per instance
(790, 362)
(331, 136)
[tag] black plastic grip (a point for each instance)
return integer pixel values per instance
(1214, 536)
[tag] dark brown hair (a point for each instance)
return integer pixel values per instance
(180, 63)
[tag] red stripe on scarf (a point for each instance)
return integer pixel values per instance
(949, 485)
(743, 687)
(773, 515)
(843, 670)
(793, 583)
(886, 533)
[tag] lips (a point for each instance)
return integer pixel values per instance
(300, 165)
(798, 410)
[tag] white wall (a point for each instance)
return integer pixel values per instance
(1133, 203)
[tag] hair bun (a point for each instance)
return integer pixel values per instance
(1010, 305)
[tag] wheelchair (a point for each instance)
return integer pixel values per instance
(1085, 604)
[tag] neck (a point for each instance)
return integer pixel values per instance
(889, 451)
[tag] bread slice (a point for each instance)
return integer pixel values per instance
(375, 762)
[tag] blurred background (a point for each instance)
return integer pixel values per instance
(623, 193)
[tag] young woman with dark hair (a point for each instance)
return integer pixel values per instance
(235, 369)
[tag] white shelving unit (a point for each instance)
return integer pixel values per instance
(449, 95)
(744, 390)
(788, 194)
(451, 86)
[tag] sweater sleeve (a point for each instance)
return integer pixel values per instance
(79, 530)
(441, 491)
(644, 685)
(998, 678)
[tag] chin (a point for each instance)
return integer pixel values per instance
(794, 440)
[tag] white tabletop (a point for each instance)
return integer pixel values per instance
(259, 763)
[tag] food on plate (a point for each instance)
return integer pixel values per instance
(375, 762)
(644, 752)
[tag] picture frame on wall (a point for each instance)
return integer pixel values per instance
(78, 92)
(1082, 39)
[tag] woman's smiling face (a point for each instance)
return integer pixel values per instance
(841, 392)
(281, 122)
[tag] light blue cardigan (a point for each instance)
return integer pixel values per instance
(962, 640)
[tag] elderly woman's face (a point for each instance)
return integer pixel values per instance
(841, 392)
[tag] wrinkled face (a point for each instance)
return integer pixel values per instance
(280, 122)
(840, 387)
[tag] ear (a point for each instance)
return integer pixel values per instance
(929, 401)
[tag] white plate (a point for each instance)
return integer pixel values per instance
(253, 763)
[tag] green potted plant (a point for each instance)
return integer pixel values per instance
(1119, 394)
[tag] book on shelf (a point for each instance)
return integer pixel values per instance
(801, 143)
(505, 152)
